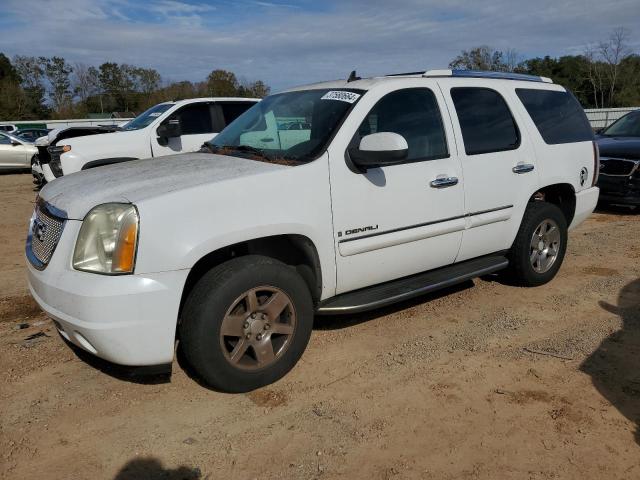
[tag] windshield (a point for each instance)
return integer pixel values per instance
(627, 126)
(147, 117)
(293, 126)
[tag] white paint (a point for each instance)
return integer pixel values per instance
(193, 204)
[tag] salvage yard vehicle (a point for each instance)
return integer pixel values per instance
(15, 152)
(400, 185)
(619, 145)
(164, 129)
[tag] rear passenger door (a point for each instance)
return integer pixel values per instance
(497, 162)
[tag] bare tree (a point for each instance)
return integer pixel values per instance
(85, 81)
(595, 75)
(612, 52)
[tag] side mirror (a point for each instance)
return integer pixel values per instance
(167, 130)
(379, 149)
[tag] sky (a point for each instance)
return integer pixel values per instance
(287, 42)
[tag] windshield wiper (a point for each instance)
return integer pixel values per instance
(239, 148)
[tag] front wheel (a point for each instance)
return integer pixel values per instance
(246, 323)
(540, 245)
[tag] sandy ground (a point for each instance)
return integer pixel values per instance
(443, 387)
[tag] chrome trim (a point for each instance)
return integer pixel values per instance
(51, 211)
(443, 182)
(633, 169)
(426, 224)
(523, 168)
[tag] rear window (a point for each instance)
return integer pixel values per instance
(485, 120)
(558, 116)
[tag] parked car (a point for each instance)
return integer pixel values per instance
(31, 134)
(619, 145)
(15, 152)
(8, 127)
(164, 129)
(400, 186)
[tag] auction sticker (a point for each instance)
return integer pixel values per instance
(341, 95)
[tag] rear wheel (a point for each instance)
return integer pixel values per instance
(246, 323)
(540, 245)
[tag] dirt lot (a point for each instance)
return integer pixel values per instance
(444, 387)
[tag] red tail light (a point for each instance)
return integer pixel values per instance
(596, 163)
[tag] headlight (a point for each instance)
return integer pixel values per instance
(108, 240)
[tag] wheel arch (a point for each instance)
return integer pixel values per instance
(295, 250)
(562, 195)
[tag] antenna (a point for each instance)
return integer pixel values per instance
(353, 77)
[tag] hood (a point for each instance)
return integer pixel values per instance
(619, 147)
(133, 181)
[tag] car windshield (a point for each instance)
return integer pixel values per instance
(292, 126)
(147, 117)
(627, 126)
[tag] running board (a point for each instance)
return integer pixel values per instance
(404, 288)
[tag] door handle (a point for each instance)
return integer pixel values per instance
(523, 168)
(443, 182)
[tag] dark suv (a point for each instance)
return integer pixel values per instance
(619, 144)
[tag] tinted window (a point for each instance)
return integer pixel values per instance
(414, 114)
(557, 115)
(4, 140)
(485, 120)
(627, 126)
(194, 119)
(231, 111)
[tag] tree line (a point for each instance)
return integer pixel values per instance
(43, 88)
(605, 75)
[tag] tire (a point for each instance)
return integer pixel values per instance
(223, 297)
(527, 260)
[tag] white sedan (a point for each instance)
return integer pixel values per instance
(15, 153)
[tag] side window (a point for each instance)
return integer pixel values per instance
(195, 118)
(231, 111)
(485, 120)
(414, 114)
(558, 116)
(4, 140)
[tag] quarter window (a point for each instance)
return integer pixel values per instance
(485, 120)
(558, 116)
(414, 114)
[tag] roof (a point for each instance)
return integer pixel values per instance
(215, 99)
(368, 83)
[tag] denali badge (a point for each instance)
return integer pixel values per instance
(359, 230)
(583, 175)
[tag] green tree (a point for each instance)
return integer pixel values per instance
(222, 83)
(485, 58)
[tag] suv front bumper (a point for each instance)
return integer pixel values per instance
(128, 319)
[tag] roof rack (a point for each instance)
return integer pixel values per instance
(486, 74)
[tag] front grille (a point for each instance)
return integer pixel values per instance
(618, 166)
(44, 235)
(43, 155)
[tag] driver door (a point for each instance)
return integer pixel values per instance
(199, 122)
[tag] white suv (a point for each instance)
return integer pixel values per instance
(396, 186)
(164, 129)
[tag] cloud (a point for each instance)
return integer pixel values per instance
(285, 46)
